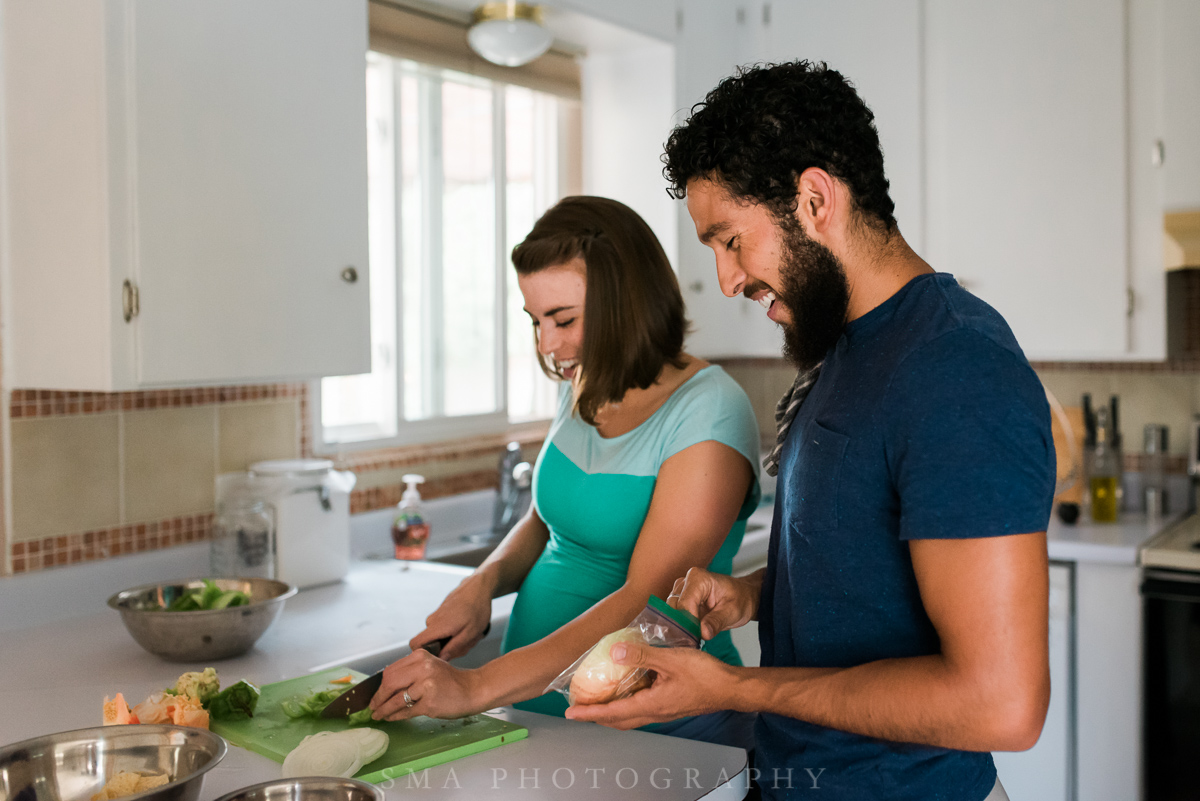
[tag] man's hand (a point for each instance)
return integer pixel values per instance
(719, 602)
(688, 682)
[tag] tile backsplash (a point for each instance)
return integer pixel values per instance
(101, 475)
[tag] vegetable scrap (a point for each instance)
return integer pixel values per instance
(127, 783)
(194, 700)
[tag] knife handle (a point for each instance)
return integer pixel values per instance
(436, 646)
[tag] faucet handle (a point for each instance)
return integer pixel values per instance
(523, 475)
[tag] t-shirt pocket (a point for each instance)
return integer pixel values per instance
(818, 474)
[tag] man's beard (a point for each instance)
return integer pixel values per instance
(816, 293)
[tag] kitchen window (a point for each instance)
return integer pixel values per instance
(459, 168)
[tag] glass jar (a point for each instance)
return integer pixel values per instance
(243, 543)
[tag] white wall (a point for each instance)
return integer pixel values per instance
(628, 112)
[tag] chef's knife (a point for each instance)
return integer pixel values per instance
(359, 696)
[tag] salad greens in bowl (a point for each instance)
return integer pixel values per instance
(202, 619)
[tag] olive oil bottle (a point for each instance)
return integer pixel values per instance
(1106, 472)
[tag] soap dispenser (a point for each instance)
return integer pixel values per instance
(410, 532)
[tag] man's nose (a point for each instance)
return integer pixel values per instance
(730, 276)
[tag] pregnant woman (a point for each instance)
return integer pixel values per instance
(649, 469)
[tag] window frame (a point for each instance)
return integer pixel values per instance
(443, 428)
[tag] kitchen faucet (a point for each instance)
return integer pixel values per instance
(516, 478)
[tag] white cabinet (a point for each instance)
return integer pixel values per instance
(1046, 771)
(211, 155)
(1181, 104)
(1039, 173)
(713, 40)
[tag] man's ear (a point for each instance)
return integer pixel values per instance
(817, 195)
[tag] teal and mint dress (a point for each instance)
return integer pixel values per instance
(594, 493)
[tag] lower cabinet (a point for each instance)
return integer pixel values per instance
(1090, 747)
(1046, 771)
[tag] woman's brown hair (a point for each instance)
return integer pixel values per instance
(633, 313)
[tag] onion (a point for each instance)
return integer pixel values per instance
(328, 753)
(323, 756)
(372, 743)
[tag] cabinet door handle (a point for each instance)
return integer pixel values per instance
(349, 275)
(129, 300)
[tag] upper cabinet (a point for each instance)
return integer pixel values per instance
(1020, 140)
(186, 192)
(1040, 177)
(1181, 111)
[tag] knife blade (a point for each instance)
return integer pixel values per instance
(359, 696)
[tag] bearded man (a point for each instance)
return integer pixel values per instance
(903, 611)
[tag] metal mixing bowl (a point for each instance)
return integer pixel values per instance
(203, 635)
(73, 765)
(307, 788)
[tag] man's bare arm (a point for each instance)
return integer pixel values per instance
(988, 688)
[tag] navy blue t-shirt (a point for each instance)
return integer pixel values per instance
(926, 422)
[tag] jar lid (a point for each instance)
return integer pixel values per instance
(680, 617)
(294, 467)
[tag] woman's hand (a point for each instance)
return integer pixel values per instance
(423, 684)
(464, 617)
(719, 602)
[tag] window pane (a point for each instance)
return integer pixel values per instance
(415, 154)
(364, 406)
(468, 250)
(531, 138)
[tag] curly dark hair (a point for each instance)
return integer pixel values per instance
(758, 130)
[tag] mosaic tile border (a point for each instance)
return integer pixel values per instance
(448, 451)
(91, 546)
(382, 497)
(26, 403)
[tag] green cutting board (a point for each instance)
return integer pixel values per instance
(413, 745)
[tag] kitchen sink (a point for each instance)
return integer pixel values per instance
(466, 557)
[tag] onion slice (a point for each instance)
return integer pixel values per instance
(341, 753)
(328, 755)
(372, 743)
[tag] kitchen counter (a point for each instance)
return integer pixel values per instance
(54, 676)
(1104, 543)
(1100, 543)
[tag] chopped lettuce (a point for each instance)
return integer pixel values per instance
(311, 706)
(361, 717)
(208, 597)
(235, 702)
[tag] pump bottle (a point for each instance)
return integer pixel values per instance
(410, 532)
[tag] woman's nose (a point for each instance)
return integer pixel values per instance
(546, 341)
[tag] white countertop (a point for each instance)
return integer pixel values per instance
(54, 676)
(1104, 543)
(1100, 543)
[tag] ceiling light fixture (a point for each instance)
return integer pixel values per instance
(509, 33)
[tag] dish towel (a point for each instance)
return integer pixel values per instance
(785, 413)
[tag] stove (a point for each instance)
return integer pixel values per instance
(1171, 662)
(1177, 548)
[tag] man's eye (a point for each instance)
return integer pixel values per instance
(729, 244)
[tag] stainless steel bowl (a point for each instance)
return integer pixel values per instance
(74, 765)
(307, 788)
(203, 635)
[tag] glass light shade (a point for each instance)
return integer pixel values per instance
(509, 42)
